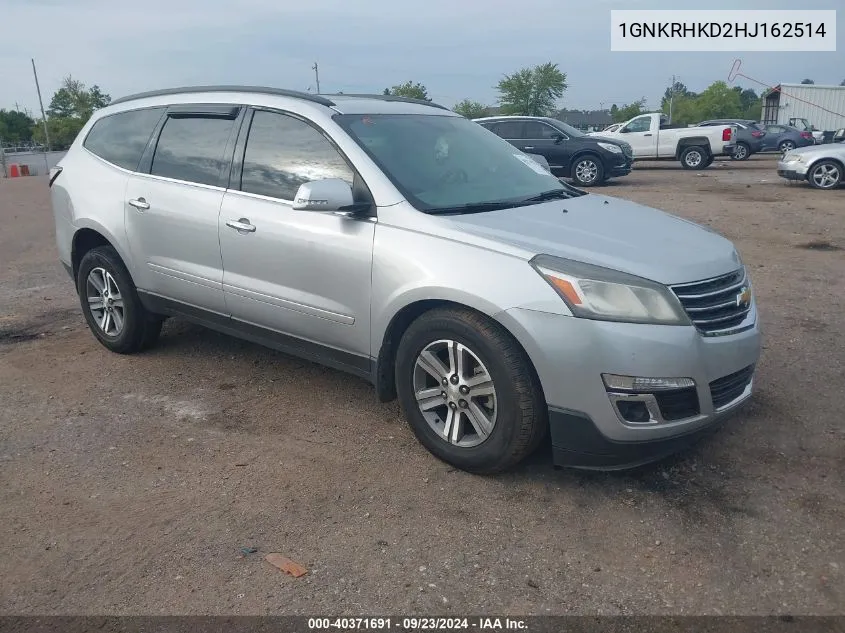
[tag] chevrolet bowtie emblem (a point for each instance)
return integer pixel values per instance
(743, 299)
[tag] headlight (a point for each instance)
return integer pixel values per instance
(793, 158)
(594, 292)
(610, 147)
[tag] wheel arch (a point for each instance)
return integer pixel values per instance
(829, 159)
(385, 363)
(693, 141)
(89, 236)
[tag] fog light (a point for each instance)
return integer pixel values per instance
(633, 411)
(638, 385)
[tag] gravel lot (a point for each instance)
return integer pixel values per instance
(129, 485)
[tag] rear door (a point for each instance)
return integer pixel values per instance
(172, 206)
(299, 273)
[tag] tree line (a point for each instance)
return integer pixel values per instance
(533, 91)
(70, 108)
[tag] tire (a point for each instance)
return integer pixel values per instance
(742, 152)
(825, 174)
(129, 328)
(588, 171)
(694, 157)
(709, 161)
(786, 146)
(514, 415)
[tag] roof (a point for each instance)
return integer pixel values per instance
(344, 103)
(777, 89)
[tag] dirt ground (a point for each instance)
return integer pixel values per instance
(129, 485)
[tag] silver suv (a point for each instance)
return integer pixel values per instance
(403, 243)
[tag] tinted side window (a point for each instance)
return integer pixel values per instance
(283, 152)
(191, 148)
(539, 130)
(509, 129)
(121, 138)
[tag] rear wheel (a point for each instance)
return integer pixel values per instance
(786, 146)
(588, 170)
(468, 391)
(741, 152)
(110, 303)
(825, 175)
(694, 157)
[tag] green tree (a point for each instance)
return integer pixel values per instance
(719, 101)
(532, 91)
(685, 110)
(15, 126)
(62, 131)
(410, 90)
(807, 81)
(471, 109)
(627, 111)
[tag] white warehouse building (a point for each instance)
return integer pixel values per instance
(822, 106)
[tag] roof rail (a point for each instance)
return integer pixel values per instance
(281, 92)
(391, 98)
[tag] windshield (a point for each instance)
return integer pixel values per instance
(448, 163)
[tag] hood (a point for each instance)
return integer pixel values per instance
(832, 150)
(613, 233)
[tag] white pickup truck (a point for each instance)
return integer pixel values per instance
(652, 139)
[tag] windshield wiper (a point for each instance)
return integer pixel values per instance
(553, 194)
(475, 207)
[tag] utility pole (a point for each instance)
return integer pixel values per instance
(316, 76)
(43, 116)
(671, 97)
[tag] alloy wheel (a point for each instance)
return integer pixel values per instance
(105, 301)
(740, 152)
(586, 171)
(455, 393)
(825, 176)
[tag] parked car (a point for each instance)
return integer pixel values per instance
(588, 160)
(653, 138)
(610, 128)
(785, 138)
(823, 166)
(402, 243)
(749, 136)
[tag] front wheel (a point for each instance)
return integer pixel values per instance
(825, 175)
(588, 171)
(694, 157)
(468, 391)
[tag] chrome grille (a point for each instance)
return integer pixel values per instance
(627, 150)
(714, 305)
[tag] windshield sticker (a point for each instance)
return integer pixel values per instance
(533, 164)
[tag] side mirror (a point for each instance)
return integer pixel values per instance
(558, 138)
(623, 130)
(327, 195)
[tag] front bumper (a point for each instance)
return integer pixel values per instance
(792, 170)
(571, 354)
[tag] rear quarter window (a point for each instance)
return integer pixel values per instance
(121, 138)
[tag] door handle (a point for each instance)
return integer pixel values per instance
(529, 147)
(139, 203)
(647, 134)
(241, 225)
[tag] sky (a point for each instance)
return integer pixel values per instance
(457, 48)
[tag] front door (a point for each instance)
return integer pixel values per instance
(639, 135)
(541, 138)
(303, 274)
(172, 210)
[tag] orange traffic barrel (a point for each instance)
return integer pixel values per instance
(13, 171)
